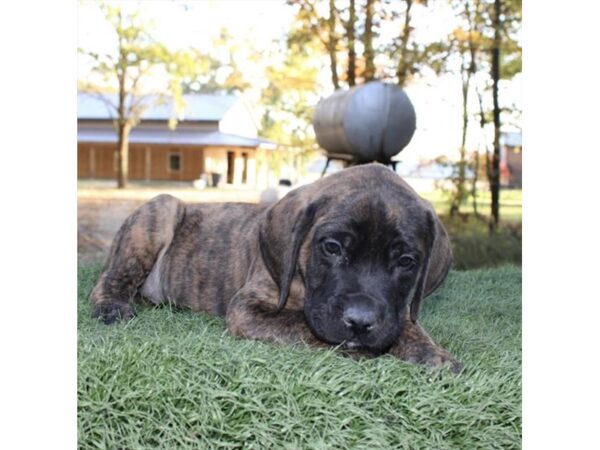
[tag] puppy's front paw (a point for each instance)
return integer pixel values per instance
(111, 312)
(427, 355)
(437, 360)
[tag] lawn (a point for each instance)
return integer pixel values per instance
(510, 203)
(173, 379)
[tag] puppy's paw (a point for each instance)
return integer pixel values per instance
(432, 357)
(437, 360)
(111, 312)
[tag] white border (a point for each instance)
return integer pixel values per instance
(560, 226)
(39, 224)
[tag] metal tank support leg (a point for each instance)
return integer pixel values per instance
(325, 168)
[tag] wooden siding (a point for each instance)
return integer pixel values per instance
(105, 161)
(152, 162)
(84, 169)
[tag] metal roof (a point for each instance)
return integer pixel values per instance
(199, 107)
(167, 136)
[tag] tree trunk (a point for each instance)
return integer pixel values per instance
(403, 66)
(482, 124)
(474, 185)
(122, 122)
(122, 126)
(123, 156)
(332, 45)
(495, 179)
(351, 50)
(369, 73)
(460, 193)
(467, 70)
(473, 52)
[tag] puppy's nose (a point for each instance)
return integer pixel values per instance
(359, 319)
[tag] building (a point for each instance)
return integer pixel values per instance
(216, 137)
(511, 160)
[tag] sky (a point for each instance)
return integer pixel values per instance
(437, 100)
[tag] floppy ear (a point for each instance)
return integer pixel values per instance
(281, 236)
(436, 264)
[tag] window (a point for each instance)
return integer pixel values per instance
(174, 162)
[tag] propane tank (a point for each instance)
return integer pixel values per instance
(370, 122)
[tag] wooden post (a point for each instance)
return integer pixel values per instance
(92, 162)
(147, 163)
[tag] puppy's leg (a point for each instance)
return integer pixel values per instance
(415, 346)
(134, 250)
(252, 314)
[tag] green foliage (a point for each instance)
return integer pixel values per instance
(336, 31)
(172, 379)
(477, 29)
(474, 246)
(217, 70)
(288, 103)
(511, 62)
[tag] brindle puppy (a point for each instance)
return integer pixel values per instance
(343, 261)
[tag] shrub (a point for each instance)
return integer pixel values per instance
(475, 247)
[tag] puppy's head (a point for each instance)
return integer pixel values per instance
(364, 246)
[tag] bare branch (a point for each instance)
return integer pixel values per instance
(141, 103)
(95, 92)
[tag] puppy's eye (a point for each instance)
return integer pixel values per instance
(332, 247)
(406, 262)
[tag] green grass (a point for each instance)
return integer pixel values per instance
(176, 380)
(510, 203)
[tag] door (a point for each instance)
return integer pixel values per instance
(244, 168)
(230, 167)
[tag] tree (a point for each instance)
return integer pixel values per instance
(404, 65)
(331, 43)
(288, 102)
(465, 41)
(350, 26)
(460, 193)
(485, 44)
(218, 71)
(495, 173)
(343, 26)
(137, 59)
(340, 29)
(412, 57)
(310, 27)
(504, 17)
(369, 53)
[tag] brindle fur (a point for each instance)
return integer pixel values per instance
(250, 263)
